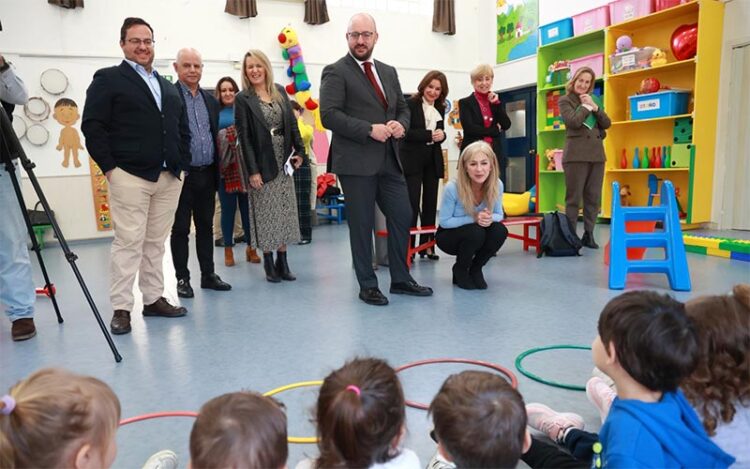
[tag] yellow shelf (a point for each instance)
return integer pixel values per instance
(670, 67)
(654, 119)
(656, 19)
(647, 170)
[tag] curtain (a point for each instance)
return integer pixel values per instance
(241, 8)
(67, 3)
(316, 12)
(444, 17)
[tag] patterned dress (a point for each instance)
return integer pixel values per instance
(273, 208)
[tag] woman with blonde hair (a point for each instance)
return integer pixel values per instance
(471, 214)
(483, 116)
(55, 418)
(269, 137)
(583, 155)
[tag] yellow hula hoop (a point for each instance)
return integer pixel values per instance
(300, 384)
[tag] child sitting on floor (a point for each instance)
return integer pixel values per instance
(361, 419)
(239, 429)
(647, 345)
(480, 422)
(55, 418)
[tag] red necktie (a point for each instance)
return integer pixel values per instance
(374, 82)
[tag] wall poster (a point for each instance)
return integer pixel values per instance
(517, 29)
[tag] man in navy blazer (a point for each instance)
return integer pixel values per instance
(137, 131)
(198, 197)
(362, 104)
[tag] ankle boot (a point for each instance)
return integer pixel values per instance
(251, 255)
(271, 274)
(475, 272)
(461, 278)
(228, 256)
(588, 240)
(282, 268)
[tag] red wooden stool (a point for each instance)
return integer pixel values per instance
(527, 222)
(417, 230)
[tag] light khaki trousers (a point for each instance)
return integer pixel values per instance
(142, 214)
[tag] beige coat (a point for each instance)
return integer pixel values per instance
(581, 143)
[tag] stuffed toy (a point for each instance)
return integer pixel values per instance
(625, 195)
(658, 58)
(550, 154)
(300, 86)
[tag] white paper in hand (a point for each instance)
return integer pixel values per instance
(289, 166)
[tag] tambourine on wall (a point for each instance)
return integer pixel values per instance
(36, 109)
(54, 81)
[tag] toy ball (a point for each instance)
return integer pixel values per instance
(624, 43)
(650, 85)
(684, 41)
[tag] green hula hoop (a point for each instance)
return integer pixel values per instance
(548, 382)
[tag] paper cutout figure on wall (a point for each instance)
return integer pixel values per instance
(66, 113)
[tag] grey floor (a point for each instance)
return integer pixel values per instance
(260, 336)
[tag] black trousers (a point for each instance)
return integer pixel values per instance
(579, 443)
(387, 188)
(302, 180)
(471, 244)
(423, 185)
(197, 201)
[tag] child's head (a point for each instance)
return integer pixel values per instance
(480, 421)
(66, 111)
(360, 415)
(721, 378)
(55, 418)
(648, 336)
(239, 429)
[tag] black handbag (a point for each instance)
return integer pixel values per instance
(39, 217)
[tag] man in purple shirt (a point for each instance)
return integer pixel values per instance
(199, 191)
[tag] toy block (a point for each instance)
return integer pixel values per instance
(735, 245)
(738, 256)
(696, 249)
(680, 156)
(702, 241)
(683, 130)
(718, 253)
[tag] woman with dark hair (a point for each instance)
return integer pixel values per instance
(421, 156)
(482, 115)
(233, 182)
(583, 155)
(269, 138)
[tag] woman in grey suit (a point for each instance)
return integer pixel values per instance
(268, 134)
(583, 155)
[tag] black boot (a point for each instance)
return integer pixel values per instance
(461, 277)
(271, 274)
(588, 240)
(282, 268)
(475, 272)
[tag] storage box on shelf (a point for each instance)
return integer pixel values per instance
(664, 103)
(688, 129)
(593, 61)
(627, 10)
(551, 131)
(557, 31)
(591, 20)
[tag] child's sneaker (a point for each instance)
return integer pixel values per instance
(164, 459)
(553, 424)
(607, 380)
(601, 395)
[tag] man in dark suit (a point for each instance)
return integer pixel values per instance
(199, 190)
(362, 104)
(137, 131)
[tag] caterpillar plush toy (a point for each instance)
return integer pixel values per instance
(300, 85)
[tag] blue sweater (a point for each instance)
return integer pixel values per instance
(665, 434)
(452, 213)
(226, 117)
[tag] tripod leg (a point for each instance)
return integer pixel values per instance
(28, 166)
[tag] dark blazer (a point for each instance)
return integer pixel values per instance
(414, 147)
(124, 127)
(349, 106)
(472, 123)
(254, 135)
(581, 143)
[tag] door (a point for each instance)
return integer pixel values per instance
(520, 139)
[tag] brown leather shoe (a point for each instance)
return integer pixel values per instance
(120, 322)
(23, 329)
(162, 308)
(228, 256)
(252, 256)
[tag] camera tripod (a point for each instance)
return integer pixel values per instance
(6, 158)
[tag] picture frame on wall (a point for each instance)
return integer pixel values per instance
(517, 29)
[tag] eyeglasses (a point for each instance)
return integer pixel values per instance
(137, 42)
(357, 35)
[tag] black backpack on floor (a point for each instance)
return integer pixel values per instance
(558, 237)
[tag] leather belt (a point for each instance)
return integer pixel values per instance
(198, 169)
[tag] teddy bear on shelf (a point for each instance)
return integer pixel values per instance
(550, 154)
(625, 195)
(658, 58)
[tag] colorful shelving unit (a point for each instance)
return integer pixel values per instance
(550, 129)
(693, 169)
(728, 248)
